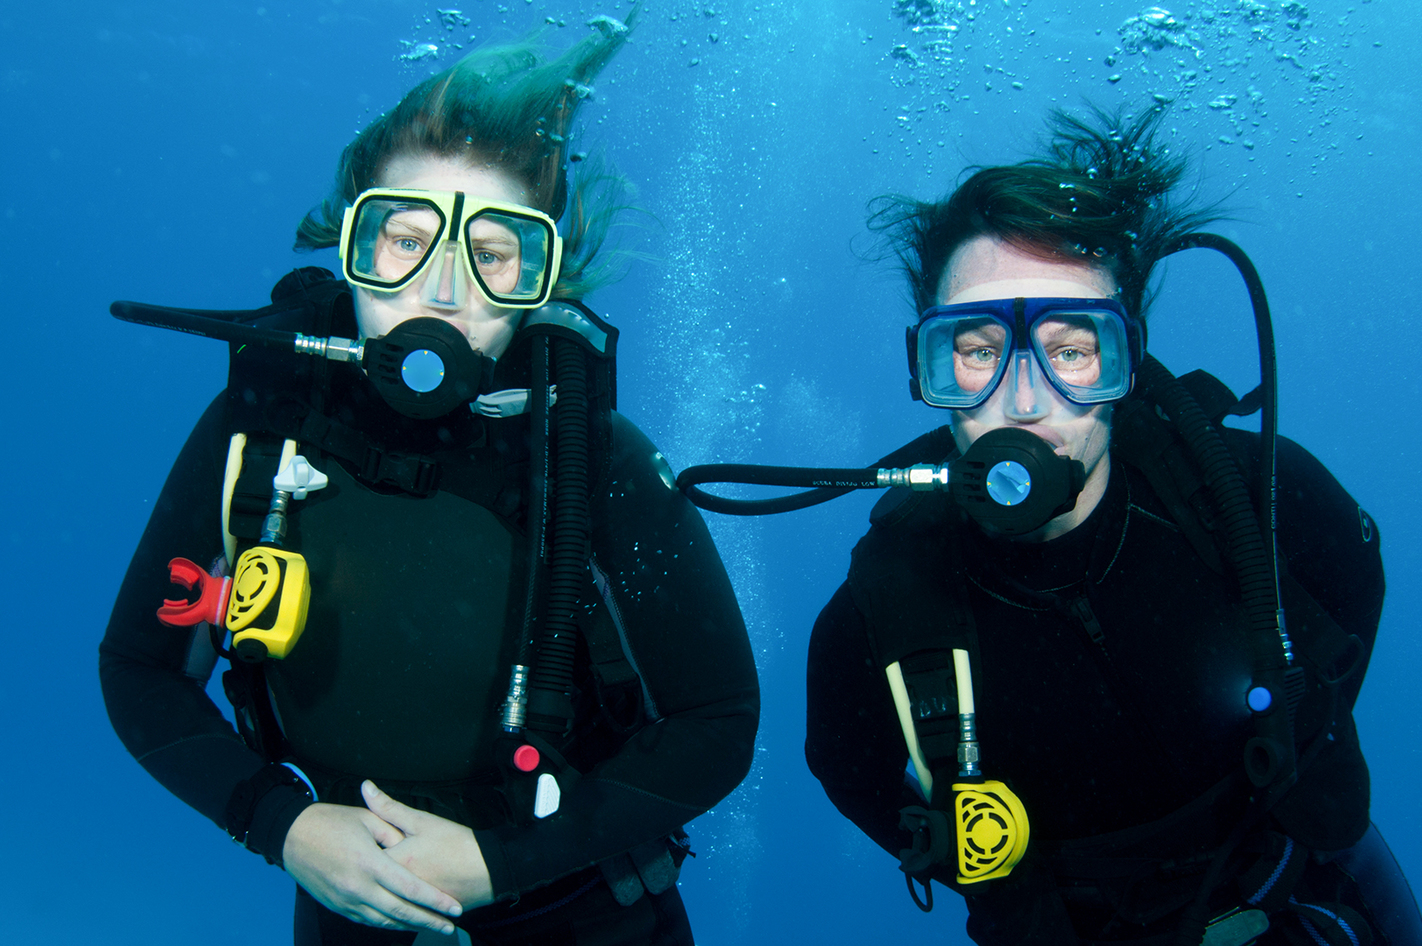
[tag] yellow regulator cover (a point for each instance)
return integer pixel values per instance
(992, 830)
(270, 593)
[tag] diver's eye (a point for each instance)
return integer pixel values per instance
(486, 258)
(978, 357)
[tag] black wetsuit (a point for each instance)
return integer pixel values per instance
(402, 669)
(1102, 736)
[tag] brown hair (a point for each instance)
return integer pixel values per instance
(1101, 194)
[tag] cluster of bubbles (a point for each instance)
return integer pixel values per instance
(1224, 60)
(445, 24)
(1220, 55)
(936, 25)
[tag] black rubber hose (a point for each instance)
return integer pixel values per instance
(1247, 550)
(829, 482)
(801, 476)
(1267, 485)
(1254, 552)
(761, 507)
(537, 498)
(214, 324)
(552, 679)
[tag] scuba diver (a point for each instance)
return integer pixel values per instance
(1116, 734)
(1094, 664)
(485, 661)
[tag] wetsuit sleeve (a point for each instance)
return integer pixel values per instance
(682, 631)
(162, 715)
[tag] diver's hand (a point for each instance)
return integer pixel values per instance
(435, 849)
(334, 852)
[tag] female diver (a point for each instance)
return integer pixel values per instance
(515, 667)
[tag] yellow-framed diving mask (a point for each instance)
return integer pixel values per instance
(442, 241)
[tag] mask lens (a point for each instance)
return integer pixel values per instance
(1086, 353)
(510, 255)
(391, 239)
(961, 360)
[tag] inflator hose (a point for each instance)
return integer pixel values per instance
(1255, 562)
(1248, 554)
(552, 679)
(537, 498)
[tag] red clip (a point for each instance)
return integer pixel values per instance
(212, 596)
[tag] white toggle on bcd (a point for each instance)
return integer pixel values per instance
(299, 478)
(546, 796)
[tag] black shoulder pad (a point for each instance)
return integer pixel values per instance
(1213, 395)
(301, 282)
(894, 507)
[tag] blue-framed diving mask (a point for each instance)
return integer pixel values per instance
(1086, 350)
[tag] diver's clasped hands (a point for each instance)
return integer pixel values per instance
(434, 849)
(389, 866)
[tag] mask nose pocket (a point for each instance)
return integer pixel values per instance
(444, 283)
(1027, 397)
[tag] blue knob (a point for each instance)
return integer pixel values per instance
(1260, 699)
(1009, 483)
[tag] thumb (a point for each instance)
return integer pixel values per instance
(383, 806)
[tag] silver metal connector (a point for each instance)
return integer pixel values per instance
(968, 745)
(920, 476)
(516, 703)
(334, 348)
(274, 525)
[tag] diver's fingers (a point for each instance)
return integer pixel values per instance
(331, 853)
(384, 833)
(387, 911)
(419, 895)
(402, 816)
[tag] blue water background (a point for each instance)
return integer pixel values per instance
(164, 152)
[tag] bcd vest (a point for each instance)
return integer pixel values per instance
(419, 563)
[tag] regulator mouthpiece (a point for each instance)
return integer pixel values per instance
(426, 368)
(1012, 481)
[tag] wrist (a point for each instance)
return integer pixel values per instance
(263, 807)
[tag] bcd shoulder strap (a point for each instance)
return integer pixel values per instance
(905, 579)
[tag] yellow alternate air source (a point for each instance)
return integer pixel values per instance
(266, 613)
(990, 823)
(992, 830)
